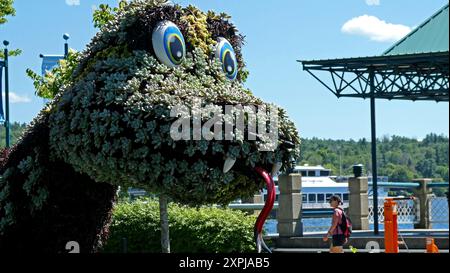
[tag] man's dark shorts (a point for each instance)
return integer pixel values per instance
(338, 240)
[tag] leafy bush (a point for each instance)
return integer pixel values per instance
(49, 85)
(192, 230)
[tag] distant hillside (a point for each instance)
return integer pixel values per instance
(16, 131)
(400, 158)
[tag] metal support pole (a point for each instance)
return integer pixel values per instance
(124, 245)
(8, 137)
(390, 226)
(165, 238)
(374, 152)
(66, 45)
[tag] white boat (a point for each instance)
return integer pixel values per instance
(318, 185)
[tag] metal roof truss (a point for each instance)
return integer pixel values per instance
(402, 77)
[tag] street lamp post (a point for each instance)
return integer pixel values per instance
(66, 37)
(8, 137)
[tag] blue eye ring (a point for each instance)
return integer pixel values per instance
(225, 53)
(169, 44)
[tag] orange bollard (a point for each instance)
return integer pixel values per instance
(431, 246)
(390, 226)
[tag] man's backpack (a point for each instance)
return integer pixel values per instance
(346, 225)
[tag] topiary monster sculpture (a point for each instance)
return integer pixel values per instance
(110, 125)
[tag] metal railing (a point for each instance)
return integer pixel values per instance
(438, 210)
(408, 211)
(316, 216)
(319, 219)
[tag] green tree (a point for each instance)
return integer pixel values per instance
(442, 171)
(399, 173)
(48, 86)
(104, 14)
(17, 130)
(426, 167)
(7, 9)
(400, 158)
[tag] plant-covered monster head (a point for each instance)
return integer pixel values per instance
(114, 121)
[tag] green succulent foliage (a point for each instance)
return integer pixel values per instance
(192, 230)
(32, 169)
(198, 33)
(110, 116)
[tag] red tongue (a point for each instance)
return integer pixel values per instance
(270, 200)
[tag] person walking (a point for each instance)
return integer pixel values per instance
(338, 237)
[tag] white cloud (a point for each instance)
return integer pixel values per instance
(15, 98)
(373, 2)
(73, 2)
(374, 28)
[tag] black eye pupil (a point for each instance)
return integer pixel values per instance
(228, 63)
(176, 49)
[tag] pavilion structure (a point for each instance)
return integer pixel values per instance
(415, 68)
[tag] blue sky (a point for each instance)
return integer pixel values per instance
(277, 34)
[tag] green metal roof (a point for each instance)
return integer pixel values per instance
(431, 36)
(415, 68)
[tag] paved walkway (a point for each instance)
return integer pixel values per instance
(414, 240)
(324, 250)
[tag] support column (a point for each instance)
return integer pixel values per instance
(290, 206)
(358, 209)
(374, 151)
(423, 192)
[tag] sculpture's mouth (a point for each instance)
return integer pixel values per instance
(216, 157)
(246, 136)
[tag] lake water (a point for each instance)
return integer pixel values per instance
(439, 212)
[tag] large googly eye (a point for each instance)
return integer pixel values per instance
(168, 43)
(225, 53)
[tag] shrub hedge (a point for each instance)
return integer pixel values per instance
(192, 230)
